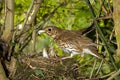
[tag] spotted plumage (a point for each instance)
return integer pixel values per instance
(72, 41)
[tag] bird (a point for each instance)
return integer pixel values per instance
(72, 41)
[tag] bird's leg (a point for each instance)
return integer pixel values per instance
(56, 59)
(71, 56)
(66, 57)
(60, 59)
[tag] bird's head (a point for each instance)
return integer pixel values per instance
(52, 31)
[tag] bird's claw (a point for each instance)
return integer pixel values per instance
(57, 59)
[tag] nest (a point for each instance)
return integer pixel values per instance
(39, 68)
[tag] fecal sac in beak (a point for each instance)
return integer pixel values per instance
(41, 31)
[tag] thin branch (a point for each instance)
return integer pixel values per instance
(102, 6)
(100, 10)
(27, 15)
(30, 16)
(105, 76)
(111, 35)
(26, 19)
(111, 12)
(99, 68)
(27, 40)
(91, 74)
(105, 17)
(114, 75)
(33, 39)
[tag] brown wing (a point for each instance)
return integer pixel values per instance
(78, 41)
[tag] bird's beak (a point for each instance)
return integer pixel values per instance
(41, 31)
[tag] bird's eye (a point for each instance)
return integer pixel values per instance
(49, 29)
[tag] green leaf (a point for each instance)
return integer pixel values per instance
(39, 72)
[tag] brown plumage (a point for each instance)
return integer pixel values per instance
(72, 41)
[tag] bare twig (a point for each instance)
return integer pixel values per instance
(103, 7)
(111, 35)
(114, 75)
(91, 74)
(30, 17)
(105, 17)
(99, 68)
(33, 39)
(27, 40)
(105, 76)
(28, 14)
(111, 12)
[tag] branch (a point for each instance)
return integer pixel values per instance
(93, 69)
(114, 75)
(9, 20)
(31, 14)
(2, 73)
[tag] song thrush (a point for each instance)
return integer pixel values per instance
(72, 41)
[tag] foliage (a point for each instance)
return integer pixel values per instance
(66, 14)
